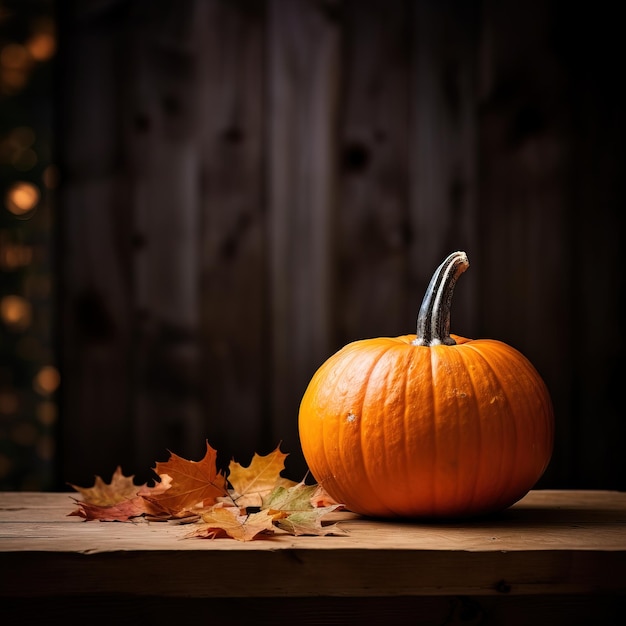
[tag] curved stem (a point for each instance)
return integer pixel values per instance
(433, 320)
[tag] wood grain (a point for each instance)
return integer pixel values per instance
(233, 286)
(549, 543)
(444, 214)
(371, 233)
(303, 54)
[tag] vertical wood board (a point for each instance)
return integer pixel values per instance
(443, 150)
(371, 228)
(303, 92)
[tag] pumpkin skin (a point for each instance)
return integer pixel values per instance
(455, 428)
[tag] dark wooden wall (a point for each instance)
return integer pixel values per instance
(250, 184)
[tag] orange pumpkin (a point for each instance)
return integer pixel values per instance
(430, 425)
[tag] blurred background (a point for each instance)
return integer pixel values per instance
(204, 199)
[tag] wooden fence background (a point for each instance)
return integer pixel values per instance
(250, 184)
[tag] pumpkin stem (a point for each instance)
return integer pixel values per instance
(433, 320)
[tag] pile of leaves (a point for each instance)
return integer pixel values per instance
(244, 503)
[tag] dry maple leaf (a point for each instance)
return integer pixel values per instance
(295, 498)
(154, 511)
(120, 512)
(190, 490)
(320, 498)
(193, 483)
(120, 488)
(251, 484)
(226, 522)
(117, 501)
(310, 522)
(297, 513)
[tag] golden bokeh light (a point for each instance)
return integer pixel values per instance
(42, 46)
(28, 380)
(22, 197)
(16, 312)
(47, 380)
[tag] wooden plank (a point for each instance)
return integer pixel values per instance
(353, 573)
(569, 610)
(233, 284)
(95, 399)
(303, 65)
(543, 520)
(525, 218)
(94, 286)
(372, 295)
(597, 284)
(161, 121)
(551, 542)
(444, 188)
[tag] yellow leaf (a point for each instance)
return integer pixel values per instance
(251, 484)
(225, 521)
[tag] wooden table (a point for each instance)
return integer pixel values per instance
(557, 557)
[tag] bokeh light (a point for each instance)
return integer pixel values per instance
(22, 197)
(28, 377)
(47, 380)
(16, 312)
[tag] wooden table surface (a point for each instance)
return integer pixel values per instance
(551, 543)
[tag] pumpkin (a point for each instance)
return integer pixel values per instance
(431, 425)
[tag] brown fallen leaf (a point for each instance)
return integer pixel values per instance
(120, 488)
(120, 512)
(193, 492)
(118, 501)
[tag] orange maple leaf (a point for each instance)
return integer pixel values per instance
(252, 483)
(193, 483)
